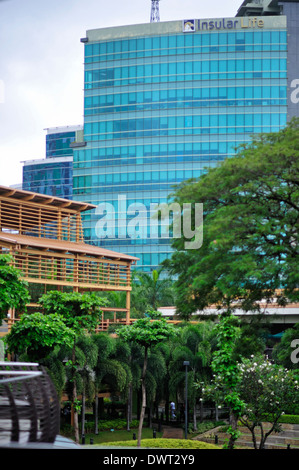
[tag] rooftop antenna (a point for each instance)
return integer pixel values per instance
(155, 14)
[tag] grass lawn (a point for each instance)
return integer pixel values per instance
(118, 435)
(122, 435)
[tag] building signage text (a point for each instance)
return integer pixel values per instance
(224, 23)
(243, 23)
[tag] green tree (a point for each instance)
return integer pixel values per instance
(224, 386)
(13, 290)
(36, 335)
(267, 390)
(105, 346)
(155, 376)
(81, 313)
(250, 225)
(194, 345)
(86, 359)
(130, 358)
(167, 348)
(155, 290)
(253, 336)
(146, 332)
(284, 352)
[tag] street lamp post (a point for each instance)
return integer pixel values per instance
(186, 364)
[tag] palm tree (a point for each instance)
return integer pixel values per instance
(87, 354)
(155, 376)
(166, 348)
(125, 354)
(105, 346)
(195, 346)
(155, 290)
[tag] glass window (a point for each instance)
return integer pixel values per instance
(205, 39)
(147, 43)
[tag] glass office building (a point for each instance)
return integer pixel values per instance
(59, 141)
(164, 101)
(53, 175)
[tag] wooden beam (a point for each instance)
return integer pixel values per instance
(128, 301)
(48, 201)
(28, 198)
(54, 282)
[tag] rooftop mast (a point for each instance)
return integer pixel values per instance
(155, 14)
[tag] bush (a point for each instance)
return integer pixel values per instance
(204, 426)
(289, 419)
(117, 424)
(166, 444)
(106, 425)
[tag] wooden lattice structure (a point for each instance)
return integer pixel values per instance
(44, 235)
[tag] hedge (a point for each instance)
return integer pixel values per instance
(111, 424)
(289, 419)
(166, 444)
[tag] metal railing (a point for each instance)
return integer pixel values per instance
(29, 406)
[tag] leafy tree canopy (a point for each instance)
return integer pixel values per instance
(148, 331)
(80, 311)
(13, 290)
(250, 228)
(36, 335)
(284, 352)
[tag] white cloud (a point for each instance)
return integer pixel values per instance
(41, 64)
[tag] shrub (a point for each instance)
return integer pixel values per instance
(106, 425)
(166, 444)
(117, 424)
(289, 419)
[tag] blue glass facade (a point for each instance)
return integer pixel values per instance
(53, 177)
(54, 174)
(58, 144)
(161, 107)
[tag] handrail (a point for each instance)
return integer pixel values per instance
(29, 406)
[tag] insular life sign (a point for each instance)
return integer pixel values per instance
(247, 23)
(231, 23)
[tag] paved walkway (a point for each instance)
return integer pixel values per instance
(172, 433)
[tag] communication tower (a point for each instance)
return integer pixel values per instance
(155, 13)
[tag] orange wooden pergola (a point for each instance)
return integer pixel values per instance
(44, 236)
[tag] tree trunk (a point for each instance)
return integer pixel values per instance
(83, 413)
(254, 438)
(216, 412)
(194, 417)
(150, 416)
(264, 435)
(129, 407)
(96, 414)
(76, 421)
(143, 405)
(201, 411)
(234, 426)
(167, 400)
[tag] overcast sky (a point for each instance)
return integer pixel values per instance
(41, 64)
